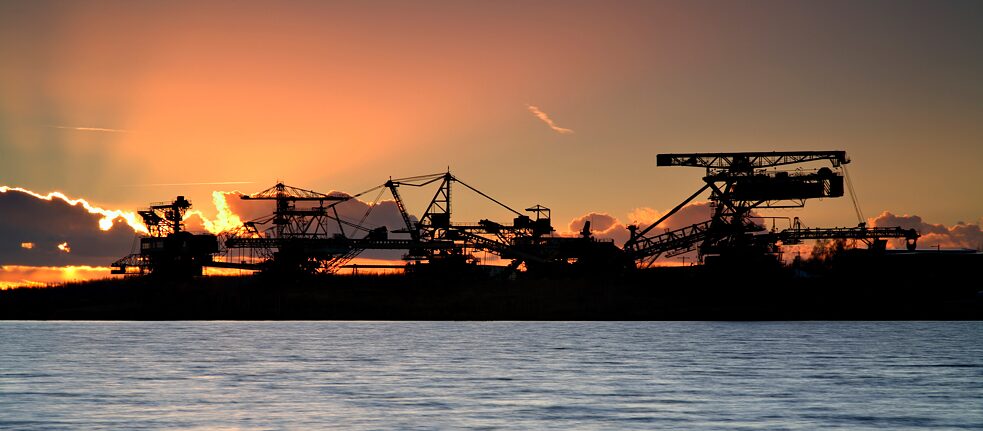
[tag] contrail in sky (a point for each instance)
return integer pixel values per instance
(217, 183)
(91, 129)
(549, 122)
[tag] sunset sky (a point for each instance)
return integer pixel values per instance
(561, 103)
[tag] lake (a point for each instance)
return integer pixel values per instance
(491, 375)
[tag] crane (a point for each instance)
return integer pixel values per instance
(741, 183)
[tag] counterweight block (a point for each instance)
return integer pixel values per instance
(785, 186)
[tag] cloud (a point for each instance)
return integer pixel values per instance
(644, 216)
(606, 226)
(960, 235)
(91, 129)
(54, 231)
(245, 210)
(602, 225)
(225, 219)
(693, 213)
(109, 217)
(549, 122)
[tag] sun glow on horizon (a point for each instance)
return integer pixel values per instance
(13, 276)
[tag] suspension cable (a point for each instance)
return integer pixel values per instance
(853, 196)
(371, 207)
(487, 197)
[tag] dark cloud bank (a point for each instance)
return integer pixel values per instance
(25, 219)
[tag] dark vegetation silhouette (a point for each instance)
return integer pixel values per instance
(858, 287)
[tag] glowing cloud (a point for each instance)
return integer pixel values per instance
(64, 247)
(549, 121)
(602, 225)
(606, 226)
(91, 129)
(644, 216)
(960, 235)
(224, 221)
(109, 216)
(695, 212)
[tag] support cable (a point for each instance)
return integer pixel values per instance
(853, 196)
(487, 197)
(371, 206)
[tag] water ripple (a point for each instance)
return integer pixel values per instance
(491, 375)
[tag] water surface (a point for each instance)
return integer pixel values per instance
(491, 375)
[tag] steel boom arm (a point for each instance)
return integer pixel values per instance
(749, 160)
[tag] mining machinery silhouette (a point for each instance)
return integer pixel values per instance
(742, 183)
(168, 250)
(306, 232)
(297, 236)
(319, 239)
(527, 241)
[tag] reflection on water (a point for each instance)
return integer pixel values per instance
(490, 375)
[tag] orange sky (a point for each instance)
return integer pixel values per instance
(332, 96)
